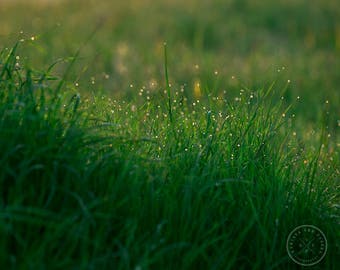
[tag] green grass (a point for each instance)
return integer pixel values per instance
(108, 159)
(250, 40)
(94, 182)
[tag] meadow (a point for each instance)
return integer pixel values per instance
(167, 134)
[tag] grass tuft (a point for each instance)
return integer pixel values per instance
(90, 182)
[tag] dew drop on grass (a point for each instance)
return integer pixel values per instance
(197, 88)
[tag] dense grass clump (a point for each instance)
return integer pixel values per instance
(158, 182)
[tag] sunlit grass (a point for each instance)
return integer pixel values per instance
(119, 152)
(90, 181)
(247, 39)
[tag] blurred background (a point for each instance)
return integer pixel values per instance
(220, 45)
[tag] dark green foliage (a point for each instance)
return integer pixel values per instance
(92, 182)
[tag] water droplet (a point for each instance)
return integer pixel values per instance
(197, 88)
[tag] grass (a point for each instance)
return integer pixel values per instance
(191, 167)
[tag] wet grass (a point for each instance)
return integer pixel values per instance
(204, 154)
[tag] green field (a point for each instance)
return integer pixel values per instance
(167, 134)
